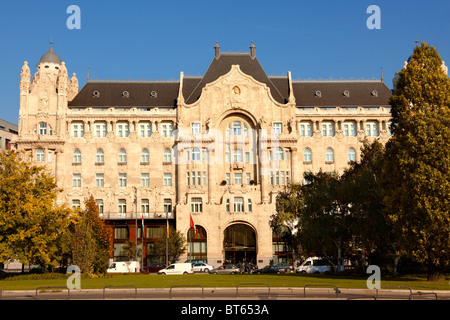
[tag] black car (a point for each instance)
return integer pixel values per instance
(285, 267)
(269, 269)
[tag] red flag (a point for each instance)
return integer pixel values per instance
(193, 225)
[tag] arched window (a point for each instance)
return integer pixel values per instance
(145, 156)
(329, 155)
(307, 155)
(40, 155)
(351, 155)
(76, 156)
(99, 156)
(196, 154)
(167, 155)
(122, 156)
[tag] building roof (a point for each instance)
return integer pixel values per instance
(165, 93)
(8, 126)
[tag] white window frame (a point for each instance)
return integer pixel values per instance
(76, 180)
(328, 129)
(196, 128)
(100, 156)
(329, 155)
(100, 129)
(196, 205)
(167, 179)
(122, 180)
(145, 180)
(99, 180)
(122, 129)
(277, 127)
(238, 204)
(305, 129)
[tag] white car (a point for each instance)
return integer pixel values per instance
(314, 265)
(201, 267)
(177, 268)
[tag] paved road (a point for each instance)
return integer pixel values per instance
(243, 292)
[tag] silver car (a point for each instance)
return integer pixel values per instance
(225, 269)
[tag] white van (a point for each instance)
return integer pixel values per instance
(177, 268)
(314, 265)
(124, 267)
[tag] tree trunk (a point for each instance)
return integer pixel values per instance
(433, 276)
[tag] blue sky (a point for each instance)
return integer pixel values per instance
(158, 39)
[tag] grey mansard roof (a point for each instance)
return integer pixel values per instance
(164, 93)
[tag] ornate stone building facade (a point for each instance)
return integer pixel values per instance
(217, 148)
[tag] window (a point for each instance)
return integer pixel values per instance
(227, 178)
(100, 129)
(121, 232)
(247, 178)
(145, 180)
(188, 178)
(167, 206)
(167, 156)
(166, 129)
(237, 156)
(247, 157)
(307, 156)
(249, 205)
(327, 129)
(349, 129)
(77, 130)
(99, 156)
(122, 156)
(123, 129)
(122, 208)
(145, 129)
(42, 128)
(277, 128)
(329, 155)
(238, 204)
(76, 156)
(76, 180)
(167, 180)
(196, 205)
(40, 155)
(227, 157)
(99, 180)
(144, 156)
(145, 207)
(76, 204)
(196, 128)
(122, 179)
(196, 154)
(305, 129)
(238, 178)
(351, 155)
(236, 128)
(279, 154)
(227, 205)
(100, 206)
(371, 129)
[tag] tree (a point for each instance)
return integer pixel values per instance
(32, 226)
(90, 239)
(418, 161)
(362, 191)
(177, 245)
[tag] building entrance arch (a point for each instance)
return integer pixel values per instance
(239, 243)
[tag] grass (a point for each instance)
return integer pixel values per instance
(209, 280)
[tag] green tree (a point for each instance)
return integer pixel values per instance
(32, 226)
(362, 192)
(90, 239)
(176, 245)
(418, 161)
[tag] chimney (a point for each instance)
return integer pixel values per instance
(252, 51)
(217, 50)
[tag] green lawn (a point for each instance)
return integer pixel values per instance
(207, 280)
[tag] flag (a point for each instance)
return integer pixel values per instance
(193, 226)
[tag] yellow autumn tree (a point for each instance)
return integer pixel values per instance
(31, 224)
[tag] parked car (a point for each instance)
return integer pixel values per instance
(153, 268)
(285, 267)
(315, 265)
(123, 267)
(195, 261)
(177, 268)
(269, 269)
(202, 267)
(225, 269)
